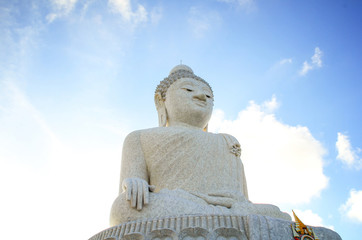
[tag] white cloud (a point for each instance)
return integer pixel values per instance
(353, 207)
(306, 68)
(61, 8)
(202, 22)
(280, 68)
(275, 155)
(272, 105)
(23, 127)
(316, 58)
(308, 217)
(124, 8)
(48, 170)
(285, 61)
(19, 98)
(346, 153)
(315, 63)
(48, 174)
(45, 180)
(78, 182)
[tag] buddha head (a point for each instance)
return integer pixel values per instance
(184, 99)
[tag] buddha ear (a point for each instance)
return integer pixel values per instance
(161, 109)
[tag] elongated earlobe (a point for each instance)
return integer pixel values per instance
(162, 118)
(161, 109)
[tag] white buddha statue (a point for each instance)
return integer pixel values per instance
(179, 168)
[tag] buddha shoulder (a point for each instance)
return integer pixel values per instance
(148, 135)
(232, 143)
(153, 135)
(157, 132)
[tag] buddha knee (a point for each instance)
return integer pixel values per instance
(122, 210)
(119, 209)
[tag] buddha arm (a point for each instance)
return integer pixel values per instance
(134, 176)
(133, 162)
(245, 188)
(234, 147)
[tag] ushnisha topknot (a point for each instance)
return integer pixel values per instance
(178, 72)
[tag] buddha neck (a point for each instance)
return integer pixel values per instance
(184, 125)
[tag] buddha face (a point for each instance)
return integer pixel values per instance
(189, 102)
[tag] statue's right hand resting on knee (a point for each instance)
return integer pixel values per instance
(137, 191)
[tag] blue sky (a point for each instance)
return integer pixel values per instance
(77, 76)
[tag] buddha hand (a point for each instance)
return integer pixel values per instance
(137, 191)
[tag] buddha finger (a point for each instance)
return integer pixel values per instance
(151, 188)
(134, 193)
(139, 195)
(128, 188)
(221, 201)
(145, 193)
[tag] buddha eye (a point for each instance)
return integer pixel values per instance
(188, 89)
(208, 96)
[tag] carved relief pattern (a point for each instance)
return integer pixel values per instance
(186, 228)
(236, 150)
(207, 227)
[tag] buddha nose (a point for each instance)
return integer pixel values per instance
(200, 96)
